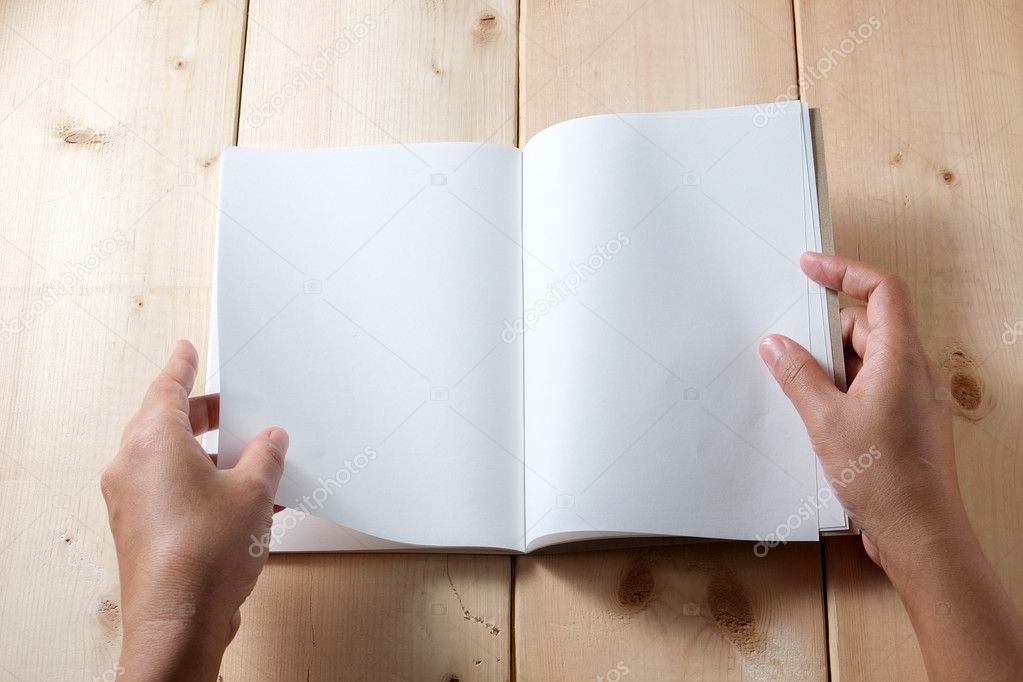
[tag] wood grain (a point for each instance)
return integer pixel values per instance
(112, 118)
(704, 612)
(111, 123)
(650, 55)
(321, 73)
(692, 612)
(924, 132)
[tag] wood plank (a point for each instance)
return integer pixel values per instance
(702, 611)
(112, 119)
(707, 611)
(650, 55)
(924, 131)
(322, 73)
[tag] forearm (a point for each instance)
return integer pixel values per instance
(965, 621)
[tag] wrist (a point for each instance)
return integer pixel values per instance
(962, 616)
(170, 649)
(917, 554)
(916, 529)
(174, 628)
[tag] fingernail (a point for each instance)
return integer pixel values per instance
(279, 437)
(808, 260)
(771, 348)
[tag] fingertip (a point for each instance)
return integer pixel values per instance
(279, 438)
(264, 456)
(184, 347)
(174, 382)
(772, 347)
(808, 256)
(799, 375)
(811, 260)
(183, 351)
(204, 413)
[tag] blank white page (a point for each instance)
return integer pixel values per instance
(670, 246)
(361, 294)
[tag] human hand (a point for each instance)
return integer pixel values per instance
(183, 529)
(903, 494)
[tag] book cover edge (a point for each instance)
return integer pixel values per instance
(828, 246)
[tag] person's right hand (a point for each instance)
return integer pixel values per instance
(887, 447)
(896, 415)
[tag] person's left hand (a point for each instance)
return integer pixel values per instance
(190, 538)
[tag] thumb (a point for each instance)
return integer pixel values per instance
(263, 457)
(804, 381)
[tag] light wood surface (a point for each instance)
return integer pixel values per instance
(112, 130)
(110, 127)
(702, 612)
(110, 116)
(924, 133)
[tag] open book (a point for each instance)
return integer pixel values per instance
(481, 348)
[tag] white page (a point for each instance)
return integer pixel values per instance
(648, 410)
(361, 293)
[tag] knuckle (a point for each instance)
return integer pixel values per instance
(274, 456)
(108, 482)
(130, 429)
(897, 286)
(907, 356)
(145, 431)
(793, 370)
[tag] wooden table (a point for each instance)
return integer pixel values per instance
(111, 121)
